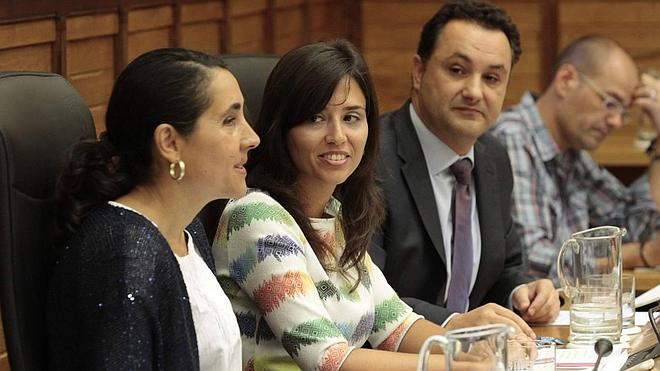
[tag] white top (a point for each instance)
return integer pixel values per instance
(439, 157)
(218, 336)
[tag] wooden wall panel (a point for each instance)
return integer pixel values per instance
(247, 34)
(150, 18)
(327, 20)
(527, 73)
(634, 24)
(148, 29)
(248, 26)
(289, 28)
(27, 58)
(95, 87)
(27, 33)
(88, 26)
(239, 8)
(27, 45)
(89, 55)
(90, 58)
(210, 43)
(141, 42)
(201, 26)
(389, 53)
(198, 12)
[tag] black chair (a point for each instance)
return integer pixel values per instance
(41, 116)
(251, 71)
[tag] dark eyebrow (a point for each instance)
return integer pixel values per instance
(350, 108)
(467, 59)
(234, 107)
(616, 96)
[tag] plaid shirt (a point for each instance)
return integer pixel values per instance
(556, 194)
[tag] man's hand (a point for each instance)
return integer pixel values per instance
(491, 313)
(646, 97)
(537, 301)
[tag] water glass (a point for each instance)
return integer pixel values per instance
(627, 300)
(533, 355)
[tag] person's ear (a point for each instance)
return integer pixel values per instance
(567, 80)
(417, 72)
(167, 142)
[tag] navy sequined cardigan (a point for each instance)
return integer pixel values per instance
(117, 299)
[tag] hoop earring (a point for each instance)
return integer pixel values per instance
(182, 170)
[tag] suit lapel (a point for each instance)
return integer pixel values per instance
(487, 191)
(416, 175)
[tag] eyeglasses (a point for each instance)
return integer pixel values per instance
(612, 105)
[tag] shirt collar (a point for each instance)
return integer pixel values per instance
(545, 144)
(437, 154)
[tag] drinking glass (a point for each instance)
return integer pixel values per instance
(627, 301)
(530, 355)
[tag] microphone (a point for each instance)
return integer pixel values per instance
(602, 347)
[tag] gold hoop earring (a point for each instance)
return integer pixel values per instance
(182, 170)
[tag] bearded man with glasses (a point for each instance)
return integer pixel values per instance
(558, 188)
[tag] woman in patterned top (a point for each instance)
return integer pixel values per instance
(134, 287)
(291, 255)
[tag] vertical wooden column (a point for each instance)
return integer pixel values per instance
(550, 24)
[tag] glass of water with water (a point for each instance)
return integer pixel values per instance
(628, 300)
(533, 355)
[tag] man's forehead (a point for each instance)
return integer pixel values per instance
(474, 43)
(619, 77)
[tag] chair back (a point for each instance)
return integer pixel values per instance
(251, 71)
(41, 116)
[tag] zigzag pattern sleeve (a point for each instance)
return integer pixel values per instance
(393, 317)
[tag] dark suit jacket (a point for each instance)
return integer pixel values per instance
(409, 249)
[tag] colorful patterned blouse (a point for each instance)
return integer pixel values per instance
(292, 313)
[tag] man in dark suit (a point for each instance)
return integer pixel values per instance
(447, 250)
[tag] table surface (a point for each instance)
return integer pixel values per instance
(645, 278)
(638, 342)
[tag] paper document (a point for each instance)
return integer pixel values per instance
(585, 359)
(648, 297)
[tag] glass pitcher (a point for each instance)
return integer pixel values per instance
(484, 344)
(591, 277)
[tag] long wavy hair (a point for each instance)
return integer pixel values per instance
(300, 86)
(161, 86)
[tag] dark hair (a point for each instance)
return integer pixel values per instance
(299, 87)
(587, 53)
(161, 86)
(482, 13)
